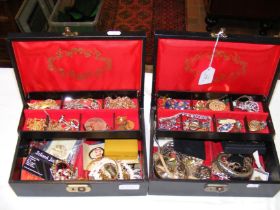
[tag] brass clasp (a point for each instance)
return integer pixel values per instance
(221, 33)
(78, 188)
(217, 188)
(68, 32)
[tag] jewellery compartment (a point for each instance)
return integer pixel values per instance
(80, 88)
(233, 105)
(79, 168)
(213, 90)
(213, 168)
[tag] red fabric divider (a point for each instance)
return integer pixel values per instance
(79, 164)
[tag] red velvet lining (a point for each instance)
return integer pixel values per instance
(240, 67)
(79, 65)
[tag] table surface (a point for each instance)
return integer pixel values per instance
(10, 110)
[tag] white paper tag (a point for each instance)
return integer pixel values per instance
(207, 76)
(129, 187)
(259, 175)
(253, 185)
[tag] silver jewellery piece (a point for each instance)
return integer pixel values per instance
(235, 169)
(169, 123)
(69, 125)
(249, 105)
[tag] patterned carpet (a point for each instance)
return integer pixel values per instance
(143, 15)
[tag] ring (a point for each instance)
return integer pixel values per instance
(96, 124)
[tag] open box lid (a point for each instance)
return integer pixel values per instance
(95, 62)
(244, 64)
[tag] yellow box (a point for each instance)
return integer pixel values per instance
(121, 149)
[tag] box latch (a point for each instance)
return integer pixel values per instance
(218, 188)
(78, 188)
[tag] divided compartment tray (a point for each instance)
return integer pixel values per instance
(229, 113)
(109, 115)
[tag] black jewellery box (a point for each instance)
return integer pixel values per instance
(213, 137)
(80, 92)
